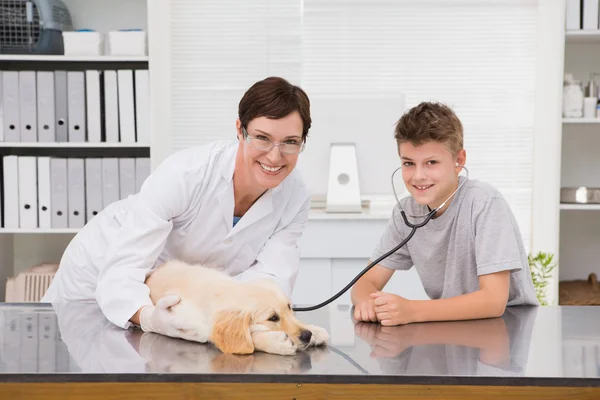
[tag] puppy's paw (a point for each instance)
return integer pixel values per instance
(274, 342)
(319, 335)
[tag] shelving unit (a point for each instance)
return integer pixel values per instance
(23, 248)
(69, 58)
(99, 145)
(580, 163)
(583, 37)
(580, 207)
(581, 120)
(40, 230)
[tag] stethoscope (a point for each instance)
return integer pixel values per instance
(413, 227)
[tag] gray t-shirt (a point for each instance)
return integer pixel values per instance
(476, 235)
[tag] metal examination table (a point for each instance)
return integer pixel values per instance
(71, 351)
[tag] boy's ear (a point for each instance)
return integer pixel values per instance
(461, 158)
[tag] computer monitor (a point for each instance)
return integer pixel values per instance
(368, 121)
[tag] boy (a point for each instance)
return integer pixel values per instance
(470, 256)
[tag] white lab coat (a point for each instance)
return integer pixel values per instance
(184, 210)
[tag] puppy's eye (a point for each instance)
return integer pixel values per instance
(274, 318)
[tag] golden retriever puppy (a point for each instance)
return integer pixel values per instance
(237, 317)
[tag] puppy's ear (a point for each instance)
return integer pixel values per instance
(231, 332)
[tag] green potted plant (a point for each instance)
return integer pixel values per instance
(541, 266)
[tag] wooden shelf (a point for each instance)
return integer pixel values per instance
(61, 145)
(583, 36)
(36, 57)
(40, 230)
(581, 207)
(581, 120)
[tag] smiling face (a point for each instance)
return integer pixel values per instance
(267, 169)
(429, 172)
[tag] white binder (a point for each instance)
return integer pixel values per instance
(76, 105)
(573, 15)
(28, 201)
(590, 14)
(93, 187)
(142, 106)
(59, 195)
(10, 103)
(1, 117)
(45, 106)
(11, 192)
(110, 181)
(76, 190)
(61, 107)
(111, 106)
(44, 193)
(92, 92)
(126, 105)
(126, 177)
(28, 106)
(142, 171)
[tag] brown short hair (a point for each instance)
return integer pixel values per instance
(430, 122)
(275, 98)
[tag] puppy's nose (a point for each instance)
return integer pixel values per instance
(305, 336)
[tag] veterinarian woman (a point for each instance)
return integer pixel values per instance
(237, 206)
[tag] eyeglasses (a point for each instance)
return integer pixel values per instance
(263, 143)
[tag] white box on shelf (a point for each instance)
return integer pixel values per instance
(127, 43)
(83, 43)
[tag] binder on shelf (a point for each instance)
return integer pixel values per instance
(44, 193)
(76, 190)
(61, 106)
(59, 195)
(126, 177)
(110, 181)
(573, 15)
(46, 107)
(28, 106)
(142, 106)
(11, 191)
(111, 107)
(28, 200)
(1, 115)
(93, 187)
(76, 106)
(126, 105)
(92, 93)
(590, 14)
(142, 171)
(10, 103)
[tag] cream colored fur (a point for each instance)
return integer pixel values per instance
(237, 317)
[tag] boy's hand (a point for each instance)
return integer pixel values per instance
(365, 311)
(392, 309)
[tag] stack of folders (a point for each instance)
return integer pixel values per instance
(55, 192)
(75, 106)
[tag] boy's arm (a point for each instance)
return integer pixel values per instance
(487, 302)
